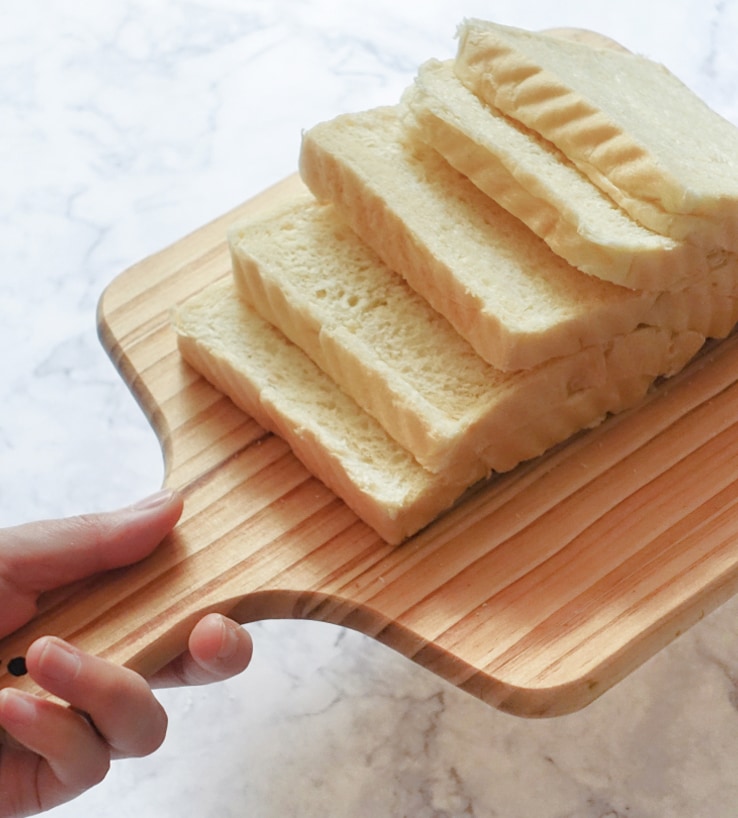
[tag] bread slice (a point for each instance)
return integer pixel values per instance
(533, 180)
(501, 287)
(305, 271)
(628, 123)
(274, 381)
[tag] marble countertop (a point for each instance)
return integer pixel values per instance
(127, 124)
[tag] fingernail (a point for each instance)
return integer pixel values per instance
(17, 707)
(59, 661)
(229, 640)
(155, 500)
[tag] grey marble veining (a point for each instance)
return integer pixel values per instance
(125, 125)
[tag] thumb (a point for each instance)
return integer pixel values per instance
(39, 556)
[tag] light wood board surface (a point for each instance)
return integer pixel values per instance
(536, 594)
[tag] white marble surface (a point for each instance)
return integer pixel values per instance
(125, 124)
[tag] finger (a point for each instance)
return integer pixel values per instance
(218, 649)
(73, 757)
(43, 555)
(118, 701)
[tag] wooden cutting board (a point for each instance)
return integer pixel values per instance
(536, 594)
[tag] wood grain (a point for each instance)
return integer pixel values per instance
(536, 594)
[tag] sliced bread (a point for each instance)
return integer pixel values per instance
(628, 123)
(305, 271)
(274, 381)
(501, 287)
(532, 179)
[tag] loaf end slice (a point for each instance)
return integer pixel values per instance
(533, 180)
(627, 122)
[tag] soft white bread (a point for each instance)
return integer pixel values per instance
(281, 388)
(271, 379)
(533, 180)
(305, 271)
(628, 123)
(501, 287)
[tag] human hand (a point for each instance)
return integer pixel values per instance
(51, 753)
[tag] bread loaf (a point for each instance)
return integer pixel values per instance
(627, 122)
(501, 287)
(532, 179)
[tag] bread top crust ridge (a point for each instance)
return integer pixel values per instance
(532, 179)
(659, 151)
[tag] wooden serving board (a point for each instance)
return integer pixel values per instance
(536, 594)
